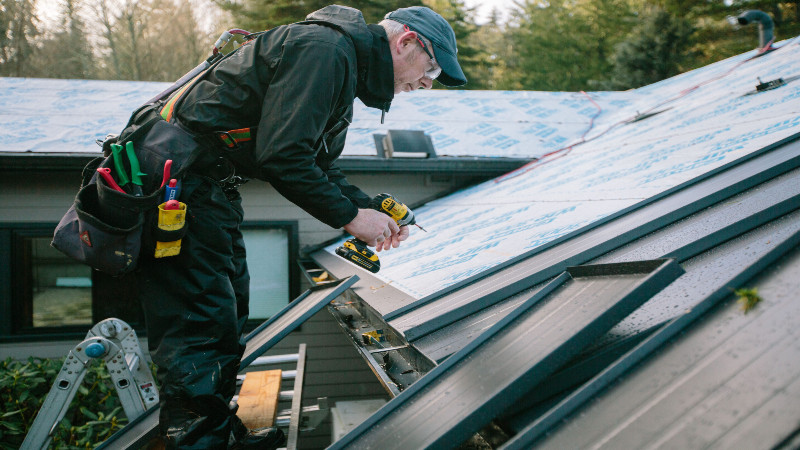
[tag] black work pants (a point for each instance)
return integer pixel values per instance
(196, 305)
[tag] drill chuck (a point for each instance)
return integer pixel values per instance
(388, 205)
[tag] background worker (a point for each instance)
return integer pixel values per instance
(294, 86)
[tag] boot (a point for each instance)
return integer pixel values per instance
(267, 438)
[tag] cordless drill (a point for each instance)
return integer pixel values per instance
(356, 251)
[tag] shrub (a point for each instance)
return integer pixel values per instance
(94, 414)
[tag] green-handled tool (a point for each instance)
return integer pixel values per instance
(119, 165)
(116, 151)
(136, 172)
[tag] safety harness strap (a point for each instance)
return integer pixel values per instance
(169, 107)
(232, 138)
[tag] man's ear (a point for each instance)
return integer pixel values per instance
(405, 42)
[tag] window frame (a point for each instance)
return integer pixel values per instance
(12, 304)
(293, 234)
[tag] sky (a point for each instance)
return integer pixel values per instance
(485, 7)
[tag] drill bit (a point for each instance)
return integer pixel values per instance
(420, 227)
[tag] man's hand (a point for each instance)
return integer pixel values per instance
(376, 229)
(394, 240)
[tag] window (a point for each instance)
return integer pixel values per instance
(271, 261)
(44, 294)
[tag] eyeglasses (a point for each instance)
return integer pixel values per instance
(435, 69)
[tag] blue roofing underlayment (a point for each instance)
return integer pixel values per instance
(67, 116)
(707, 118)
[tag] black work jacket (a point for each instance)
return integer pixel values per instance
(297, 84)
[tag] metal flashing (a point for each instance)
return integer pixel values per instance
(144, 428)
(369, 287)
(464, 298)
(471, 387)
(547, 423)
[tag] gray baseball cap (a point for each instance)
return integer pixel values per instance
(433, 26)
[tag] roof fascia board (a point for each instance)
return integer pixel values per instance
(417, 319)
(144, 428)
(367, 287)
(486, 166)
(469, 405)
(577, 399)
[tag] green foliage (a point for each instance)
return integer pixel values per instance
(748, 298)
(562, 44)
(472, 54)
(654, 50)
(18, 33)
(256, 15)
(93, 415)
(567, 45)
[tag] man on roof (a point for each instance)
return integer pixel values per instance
(294, 88)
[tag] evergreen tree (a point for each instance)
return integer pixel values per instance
(562, 44)
(491, 68)
(256, 15)
(472, 56)
(67, 53)
(18, 31)
(653, 51)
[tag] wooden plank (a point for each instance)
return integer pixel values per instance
(258, 398)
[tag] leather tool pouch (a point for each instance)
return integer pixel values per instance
(104, 227)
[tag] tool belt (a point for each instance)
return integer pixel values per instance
(108, 227)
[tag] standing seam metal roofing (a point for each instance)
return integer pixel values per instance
(737, 371)
(464, 393)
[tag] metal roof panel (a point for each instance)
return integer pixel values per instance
(710, 376)
(459, 396)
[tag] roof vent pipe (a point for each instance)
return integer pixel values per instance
(765, 25)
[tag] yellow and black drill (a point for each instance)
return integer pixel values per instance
(356, 251)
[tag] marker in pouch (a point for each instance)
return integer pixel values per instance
(172, 190)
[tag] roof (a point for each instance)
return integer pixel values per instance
(53, 124)
(704, 171)
(39, 115)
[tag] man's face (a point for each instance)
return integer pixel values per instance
(410, 64)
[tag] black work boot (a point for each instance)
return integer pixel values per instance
(267, 438)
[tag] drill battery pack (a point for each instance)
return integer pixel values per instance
(356, 251)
